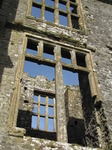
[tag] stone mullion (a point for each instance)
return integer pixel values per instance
(40, 49)
(43, 10)
(68, 14)
(46, 114)
(56, 12)
(54, 115)
(38, 116)
(60, 101)
(73, 58)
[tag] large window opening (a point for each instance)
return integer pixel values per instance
(34, 69)
(37, 106)
(70, 78)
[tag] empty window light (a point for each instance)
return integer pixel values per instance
(32, 48)
(34, 69)
(49, 3)
(35, 98)
(63, 20)
(62, 6)
(81, 59)
(35, 108)
(51, 101)
(34, 122)
(50, 111)
(42, 123)
(70, 78)
(50, 124)
(49, 16)
(65, 56)
(42, 110)
(38, 1)
(48, 51)
(73, 9)
(75, 23)
(36, 12)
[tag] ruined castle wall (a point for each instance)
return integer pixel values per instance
(99, 25)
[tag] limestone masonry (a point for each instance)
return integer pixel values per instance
(55, 74)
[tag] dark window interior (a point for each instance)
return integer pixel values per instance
(65, 56)
(75, 23)
(32, 47)
(81, 59)
(48, 51)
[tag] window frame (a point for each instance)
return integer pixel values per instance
(79, 16)
(15, 131)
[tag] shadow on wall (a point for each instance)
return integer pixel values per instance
(25, 120)
(90, 123)
(5, 33)
(76, 131)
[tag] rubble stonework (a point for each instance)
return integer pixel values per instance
(84, 111)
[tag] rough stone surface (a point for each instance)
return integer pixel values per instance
(95, 122)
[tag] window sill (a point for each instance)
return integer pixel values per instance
(15, 131)
(55, 25)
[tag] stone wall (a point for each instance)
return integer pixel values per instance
(13, 25)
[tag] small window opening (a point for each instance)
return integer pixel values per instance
(42, 123)
(38, 1)
(34, 69)
(50, 2)
(50, 111)
(65, 56)
(62, 6)
(48, 51)
(43, 99)
(50, 124)
(73, 9)
(34, 122)
(36, 11)
(49, 15)
(32, 48)
(42, 110)
(70, 78)
(63, 19)
(35, 98)
(81, 59)
(75, 23)
(35, 108)
(51, 101)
